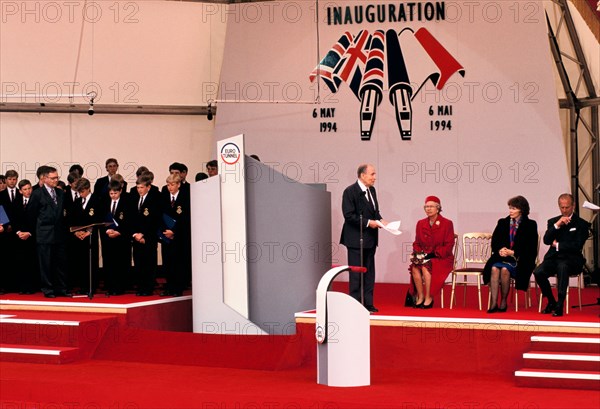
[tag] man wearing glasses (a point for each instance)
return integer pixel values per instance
(47, 208)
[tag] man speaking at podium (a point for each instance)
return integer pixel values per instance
(361, 214)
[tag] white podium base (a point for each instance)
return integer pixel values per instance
(345, 359)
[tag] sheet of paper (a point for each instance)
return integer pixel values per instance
(392, 227)
(591, 206)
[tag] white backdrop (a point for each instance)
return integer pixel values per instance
(504, 139)
(130, 52)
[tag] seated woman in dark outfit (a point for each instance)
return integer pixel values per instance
(514, 250)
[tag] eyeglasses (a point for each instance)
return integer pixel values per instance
(54, 177)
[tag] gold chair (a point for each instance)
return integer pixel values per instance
(476, 249)
(455, 252)
(553, 282)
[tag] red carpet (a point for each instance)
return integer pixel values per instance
(412, 368)
(110, 384)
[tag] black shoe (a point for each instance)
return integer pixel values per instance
(419, 305)
(165, 294)
(179, 294)
(143, 294)
(64, 294)
(371, 308)
(549, 308)
(493, 309)
(428, 306)
(502, 309)
(558, 311)
(49, 295)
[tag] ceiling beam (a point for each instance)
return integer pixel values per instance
(107, 109)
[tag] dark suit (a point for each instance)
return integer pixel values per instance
(50, 235)
(146, 221)
(116, 252)
(79, 252)
(8, 240)
(355, 204)
(72, 241)
(567, 260)
(28, 276)
(101, 186)
(176, 253)
(133, 191)
(525, 248)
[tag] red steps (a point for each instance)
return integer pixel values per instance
(50, 337)
(560, 361)
(38, 354)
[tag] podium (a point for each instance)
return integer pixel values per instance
(260, 244)
(343, 336)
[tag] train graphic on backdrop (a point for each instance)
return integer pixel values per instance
(407, 60)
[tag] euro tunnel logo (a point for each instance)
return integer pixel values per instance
(230, 153)
(399, 63)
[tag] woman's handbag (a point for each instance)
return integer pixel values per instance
(409, 301)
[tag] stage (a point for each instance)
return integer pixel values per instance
(461, 353)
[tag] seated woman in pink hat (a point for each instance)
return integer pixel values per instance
(432, 258)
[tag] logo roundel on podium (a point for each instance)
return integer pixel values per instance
(230, 153)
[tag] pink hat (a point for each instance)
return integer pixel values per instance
(433, 199)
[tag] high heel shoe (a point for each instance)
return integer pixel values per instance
(419, 305)
(502, 309)
(493, 309)
(430, 305)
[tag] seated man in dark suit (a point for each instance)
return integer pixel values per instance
(566, 234)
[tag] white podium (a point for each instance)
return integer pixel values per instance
(343, 336)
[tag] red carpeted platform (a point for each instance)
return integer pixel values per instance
(434, 358)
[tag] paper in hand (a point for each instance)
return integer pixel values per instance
(392, 227)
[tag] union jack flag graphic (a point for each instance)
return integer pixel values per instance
(408, 59)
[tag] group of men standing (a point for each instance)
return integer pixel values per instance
(55, 233)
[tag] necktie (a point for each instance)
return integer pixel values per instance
(53, 194)
(24, 203)
(141, 203)
(369, 198)
(83, 202)
(114, 208)
(76, 196)
(12, 195)
(172, 201)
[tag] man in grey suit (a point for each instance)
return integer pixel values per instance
(359, 204)
(47, 208)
